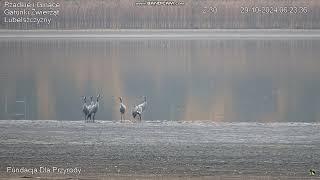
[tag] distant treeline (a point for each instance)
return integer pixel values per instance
(187, 14)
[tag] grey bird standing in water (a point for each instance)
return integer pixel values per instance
(122, 110)
(90, 106)
(93, 108)
(139, 109)
(85, 109)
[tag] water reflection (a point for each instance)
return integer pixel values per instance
(219, 80)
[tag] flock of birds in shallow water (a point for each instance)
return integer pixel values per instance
(89, 111)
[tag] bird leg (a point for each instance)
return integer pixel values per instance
(88, 118)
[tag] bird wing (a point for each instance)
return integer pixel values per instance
(134, 108)
(85, 109)
(94, 108)
(122, 108)
(139, 110)
(142, 106)
(90, 108)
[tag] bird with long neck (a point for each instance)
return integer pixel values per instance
(122, 110)
(94, 107)
(85, 109)
(90, 107)
(139, 109)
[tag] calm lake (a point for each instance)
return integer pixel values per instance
(229, 80)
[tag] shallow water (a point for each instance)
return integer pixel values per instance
(163, 132)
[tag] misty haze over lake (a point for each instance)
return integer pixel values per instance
(259, 80)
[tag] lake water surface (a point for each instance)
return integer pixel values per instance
(229, 80)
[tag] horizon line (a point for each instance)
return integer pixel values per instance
(162, 34)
